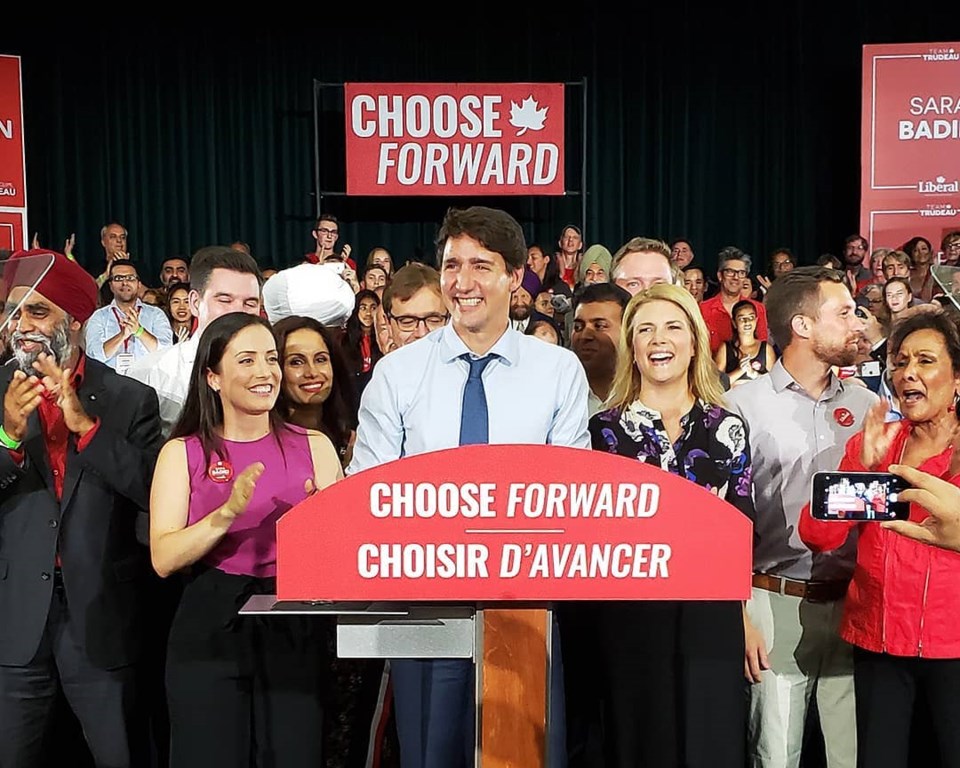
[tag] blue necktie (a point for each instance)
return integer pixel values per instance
(474, 423)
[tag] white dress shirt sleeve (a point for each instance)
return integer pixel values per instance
(380, 428)
(570, 422)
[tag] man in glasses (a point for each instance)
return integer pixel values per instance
(126, 329)
(734, 265)
(326, 234)
(413, 305)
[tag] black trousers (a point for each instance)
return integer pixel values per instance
(673, 684)
(243, 691)
(887, 688)
(102, 700)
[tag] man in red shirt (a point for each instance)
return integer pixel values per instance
(79, 446)
(734, 265)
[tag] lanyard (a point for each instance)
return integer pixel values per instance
(126, 342)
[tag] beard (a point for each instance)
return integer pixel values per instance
(520, 311)
(58, 346)
(833, 353)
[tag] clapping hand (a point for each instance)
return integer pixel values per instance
(130, 322)
(21, 399)
(878, 435)
(242, 492)
(60, 383)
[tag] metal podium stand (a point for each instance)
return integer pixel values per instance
(386, 630)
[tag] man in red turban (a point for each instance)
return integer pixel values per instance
(79, 443)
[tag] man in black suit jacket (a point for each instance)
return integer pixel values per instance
(79, 447)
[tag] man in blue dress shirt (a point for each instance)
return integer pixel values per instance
(534, 392)
(126, 329)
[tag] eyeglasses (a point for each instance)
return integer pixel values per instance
(412, 322)
(325, 231)
(734, 272)
(124, 279)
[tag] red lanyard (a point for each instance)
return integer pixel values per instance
(126, 342)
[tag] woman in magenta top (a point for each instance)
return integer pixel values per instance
(241, 690)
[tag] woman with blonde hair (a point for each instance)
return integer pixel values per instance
(672, 672)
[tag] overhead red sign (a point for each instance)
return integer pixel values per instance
(12, 178)
(454, 138)
(910, 125)
(507, 522)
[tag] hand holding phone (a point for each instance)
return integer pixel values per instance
(858, 496)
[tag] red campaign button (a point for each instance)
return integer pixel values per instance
(843, 417)
(220, 472)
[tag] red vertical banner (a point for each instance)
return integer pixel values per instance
(13, 180)
(910, 166)
(454, 138)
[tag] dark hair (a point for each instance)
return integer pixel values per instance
(742, 304)
(220, 257)
(184, 259)
(370, 267)
(122, 263)
(796, 293)
(544, 321)
(830, 261)
(172, 289)
(677, 240)
(598, 292)
(909, 246)
(949, 238)
(902, 280)
(853, 238)
(928, 320)
(551, 275)
(337, 420)
(203, 413)
(327, 217)
(353, 333)
(494, 229)
(786, 252)
(407, 281)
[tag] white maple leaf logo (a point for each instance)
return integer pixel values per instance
(941, 179)
(526, 115)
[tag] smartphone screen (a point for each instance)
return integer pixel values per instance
(868, 496)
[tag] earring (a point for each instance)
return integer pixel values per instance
(956, 403)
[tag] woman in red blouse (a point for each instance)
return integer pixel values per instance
(902, 612)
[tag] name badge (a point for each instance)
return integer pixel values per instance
(870, 368)
(124, 361)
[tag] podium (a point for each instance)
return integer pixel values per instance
(460, 554)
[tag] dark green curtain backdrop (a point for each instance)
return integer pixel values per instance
(727, 125)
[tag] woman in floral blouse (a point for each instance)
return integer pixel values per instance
(673, 679)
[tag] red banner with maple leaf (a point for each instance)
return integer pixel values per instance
(454, 138)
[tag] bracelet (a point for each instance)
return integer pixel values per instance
(9, 442)
(139, 332)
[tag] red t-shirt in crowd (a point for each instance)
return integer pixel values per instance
(720, 324)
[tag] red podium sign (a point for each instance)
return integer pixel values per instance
(454, 138)
(518, 523)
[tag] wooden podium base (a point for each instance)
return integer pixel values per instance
(513, 677)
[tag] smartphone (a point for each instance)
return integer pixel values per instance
(866, 496)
